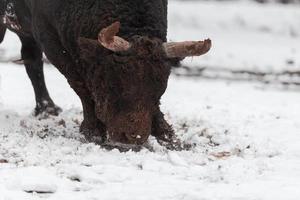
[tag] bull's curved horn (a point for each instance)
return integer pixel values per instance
(187, 49)
(107, 38)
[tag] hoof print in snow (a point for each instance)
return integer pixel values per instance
(40, 189)
(3, 161)
(75, 178)
(39, 192)
(221, 155)
(62, 123)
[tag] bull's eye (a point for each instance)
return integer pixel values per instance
(120, 59)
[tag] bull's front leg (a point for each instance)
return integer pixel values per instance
(164, 133)
(32, 57)
(93, 129)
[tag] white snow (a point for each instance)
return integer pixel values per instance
(246, 134)
(245, 35)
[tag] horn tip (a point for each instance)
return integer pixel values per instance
(116, 23)
(208, 43)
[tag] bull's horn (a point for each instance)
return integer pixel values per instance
(186, 49)
(107, 38)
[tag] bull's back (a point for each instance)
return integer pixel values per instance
(71, 19)
(87, 18)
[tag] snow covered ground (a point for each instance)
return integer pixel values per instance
(247, 134)
(245, 35)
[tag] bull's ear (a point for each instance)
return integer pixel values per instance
(88, 47)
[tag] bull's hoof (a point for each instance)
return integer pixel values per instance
(93, 132)
(174, 144)
(165, 136)
(47, 109)
(94, 136)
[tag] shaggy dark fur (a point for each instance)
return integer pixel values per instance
(120, 92)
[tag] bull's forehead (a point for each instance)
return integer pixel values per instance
(144, 17)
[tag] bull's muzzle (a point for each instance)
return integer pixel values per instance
(130, 128)
(108, 38)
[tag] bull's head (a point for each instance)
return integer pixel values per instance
(128, 81)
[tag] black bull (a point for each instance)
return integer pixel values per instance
(120, 90)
